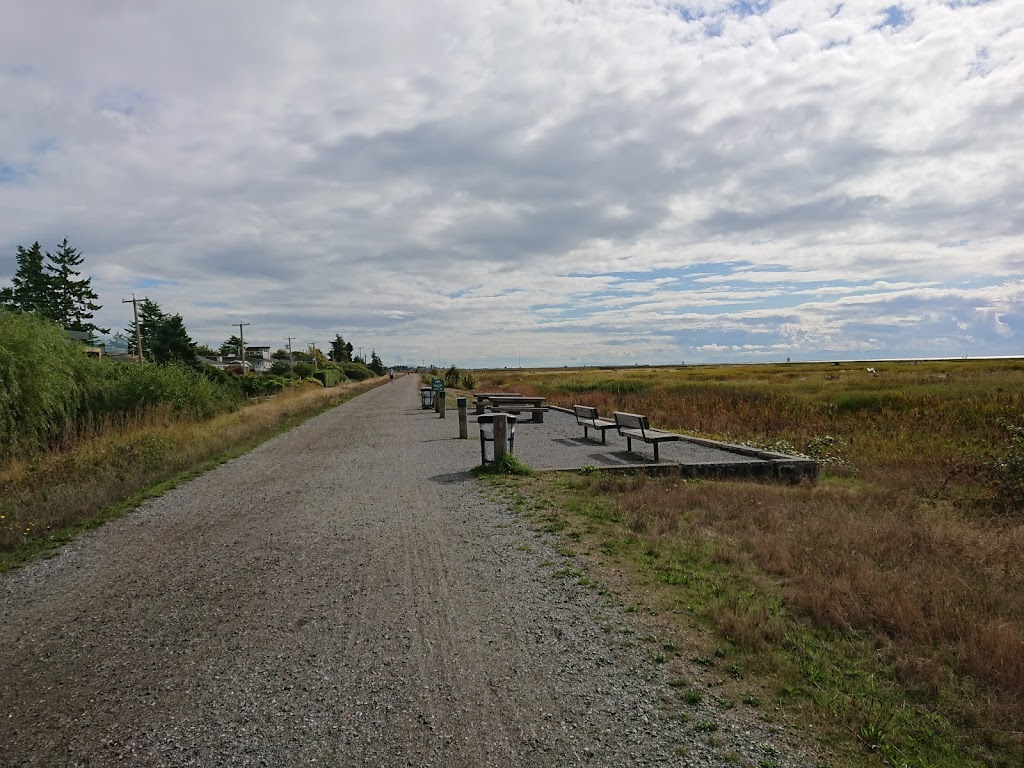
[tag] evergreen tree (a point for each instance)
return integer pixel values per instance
(171, 342)
(72, 300)
(375, 364)
(30, 287)
(150, 318)
(232, 347)
(341, 351)
(51, 285)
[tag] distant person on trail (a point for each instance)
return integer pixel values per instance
(391, 374)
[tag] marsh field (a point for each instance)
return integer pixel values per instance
(885, 603)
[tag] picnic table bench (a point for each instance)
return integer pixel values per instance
(587, 418)
(633, 426)
(517, 404)
(480, 398)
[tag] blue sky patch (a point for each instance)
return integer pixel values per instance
(12, 173)
(745, 8)
(151, 282)
(895, 17)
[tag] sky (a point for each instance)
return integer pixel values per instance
(531, 182)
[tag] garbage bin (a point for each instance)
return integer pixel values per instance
(486, 424)
(426, 397)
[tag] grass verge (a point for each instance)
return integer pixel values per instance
(770, 590)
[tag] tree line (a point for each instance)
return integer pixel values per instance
(51, 285)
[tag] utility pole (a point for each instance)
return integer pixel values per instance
(138, 330)
(241, 338)
(291, 363)
(361, 356)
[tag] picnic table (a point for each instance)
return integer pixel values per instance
(517, 404)
(481, 398)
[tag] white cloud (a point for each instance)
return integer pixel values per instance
(592, 180)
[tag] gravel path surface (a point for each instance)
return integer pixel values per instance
(342, 595)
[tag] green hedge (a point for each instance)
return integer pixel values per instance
(329, 377)
(357, 371)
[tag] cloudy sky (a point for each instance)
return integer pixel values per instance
(555, 182)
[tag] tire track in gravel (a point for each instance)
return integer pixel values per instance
(342, 595)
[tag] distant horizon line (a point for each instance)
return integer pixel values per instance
(761, 362)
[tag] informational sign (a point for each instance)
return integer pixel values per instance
(437, 385)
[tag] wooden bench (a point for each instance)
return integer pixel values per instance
(633, 426)
(587, 418)
(517, 404)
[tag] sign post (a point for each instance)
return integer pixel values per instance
(437, 386)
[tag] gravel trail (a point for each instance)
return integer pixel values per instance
(342, 595)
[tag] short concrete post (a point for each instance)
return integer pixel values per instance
(440, 399)
(500, 435)
(463, 404)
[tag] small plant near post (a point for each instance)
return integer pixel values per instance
(508, 464)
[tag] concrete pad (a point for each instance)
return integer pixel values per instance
(558, 444)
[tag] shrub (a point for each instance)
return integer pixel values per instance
(253, 386)
(329, 377)
(357, 371)
(280, 368)
(132, 389)
(1007, 473)
(468, 380)
(41, 374)
(304, 370)
(275, 384)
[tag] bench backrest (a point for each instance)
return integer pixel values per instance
(584, 412)
(630, 421)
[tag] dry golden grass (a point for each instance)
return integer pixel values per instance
(905, 544)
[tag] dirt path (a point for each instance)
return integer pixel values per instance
(342, 595)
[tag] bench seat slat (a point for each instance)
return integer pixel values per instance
(587, 418)
(634, 426)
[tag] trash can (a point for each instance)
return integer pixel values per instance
(426, 397)
(486, 424)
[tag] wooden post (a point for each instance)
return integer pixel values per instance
(437, 402)
(463, 404)
(500, 435)
(441, 409)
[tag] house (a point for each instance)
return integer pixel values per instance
(258, 359)
(86, 340)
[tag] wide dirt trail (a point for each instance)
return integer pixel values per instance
(342, 595)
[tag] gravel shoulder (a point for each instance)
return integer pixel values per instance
(342, 595)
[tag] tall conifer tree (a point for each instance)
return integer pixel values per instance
(30, 287)
(50, 284)
(72, 299)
